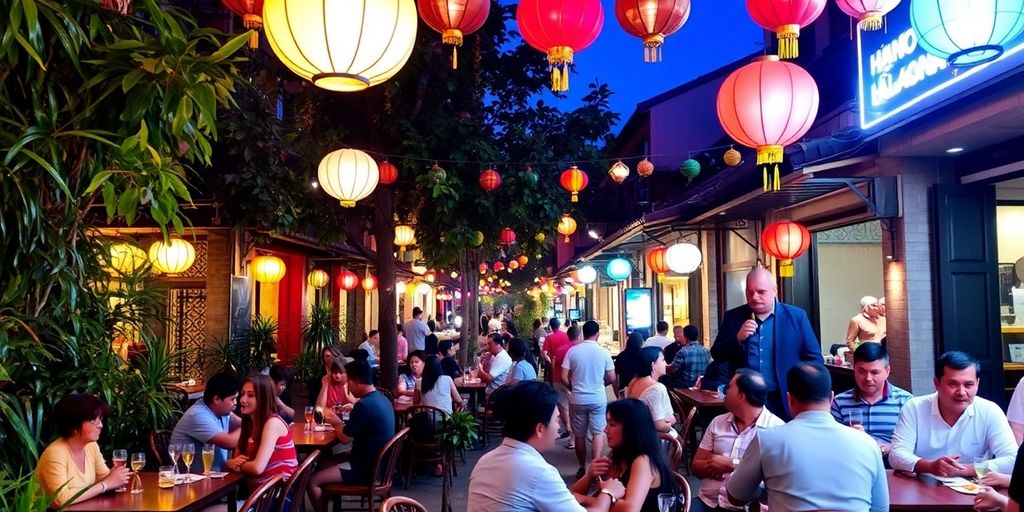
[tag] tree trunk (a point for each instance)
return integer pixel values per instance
(470, 304)
(384, 231)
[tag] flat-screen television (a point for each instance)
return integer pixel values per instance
(574, 314)
(639, 309)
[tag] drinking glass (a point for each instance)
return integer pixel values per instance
(138, 462)
(666, 500)
(165, 477)
(721, 391)
(120, 459)
(318, 416)
(209, 450)
(980, 466)
(309, 418)
(188, 452)
(856, 418)
(174, 450)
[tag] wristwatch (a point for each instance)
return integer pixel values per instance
(610, 495)
(103, 487)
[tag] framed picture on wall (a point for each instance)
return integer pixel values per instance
(1016, 352)
(241, 307)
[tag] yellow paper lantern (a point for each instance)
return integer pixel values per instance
(404, 235)
(125, 258)
(174, 257)
(348, 175)
(318, 279)
(567, 226)
(369, 282)
(341, 45)
(268, 269)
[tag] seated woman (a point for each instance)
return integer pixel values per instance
(265, 445)
(281, 376)
(436, 389)
(449, 366)
(408, 379)
(637, 459)
(522, 368)
(73, 463)
(334, 391)
(646, 388)
(430, 344)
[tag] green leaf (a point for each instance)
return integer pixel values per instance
(99, 179)
(230, 47)
(129, 80)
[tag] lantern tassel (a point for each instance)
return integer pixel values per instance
(789, 42)
(455, 57)
(764, 178)
(871, 21)
(661, 278)
(575, 198)
(786, 268)
(652, 47)
(560, 61)
(253, 23)
(453, 36)
(777, 183)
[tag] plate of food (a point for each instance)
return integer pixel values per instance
(218, 474)
(965, 488)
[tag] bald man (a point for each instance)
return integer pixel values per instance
(767, 336)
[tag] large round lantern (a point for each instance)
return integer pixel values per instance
(498, 266)
(786, 18)
(174, 257)
(768, 104)
(619, 172)
(652, 21)
(369, 282)
(348, 280)
(318, 279)
(619, 269)
(560, 28)
(388, 173)
(125, 258)
(268, 269)
(490, 180)
(574, 180)
(523, 259)
(869, 13)
(964, 32)
(645, 168)
(348, 175)
(566, 226)
(342, 46)
(508, 237)
(454, 19)
(586, 274)
(786, 241)
(657, 263)
(405, 235)
(683, 258)
(251, 12)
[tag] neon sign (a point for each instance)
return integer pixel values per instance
(898, 78)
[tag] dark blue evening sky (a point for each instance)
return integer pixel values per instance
(717, 33)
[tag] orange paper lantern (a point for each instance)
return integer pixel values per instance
(369, 282)
(652, 21)
(785, 240)
(574, 180)
(251, 12)
(454, 19)
(566, 226)
(490, 180)
(657, 263)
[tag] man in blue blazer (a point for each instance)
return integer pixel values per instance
(767, 336)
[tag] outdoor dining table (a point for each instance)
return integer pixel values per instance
(180, 498)
(475, 388)
(908, 491)
(699, 397)
(309, 441)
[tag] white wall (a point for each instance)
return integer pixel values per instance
(846, 272)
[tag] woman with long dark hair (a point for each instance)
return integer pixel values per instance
(637, 458)
(628, 359)
(646, 388)
(265, 446)
(437, 389)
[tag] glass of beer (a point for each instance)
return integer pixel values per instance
(120, 459)
(165, 478)
(209, 450)
(309, 418)
(188, 453)
(138, 462)
(856, 419)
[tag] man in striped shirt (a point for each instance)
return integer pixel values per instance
(874, 405)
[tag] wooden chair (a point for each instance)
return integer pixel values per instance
(684, 490)
(387, 394)
(379, 488)
(673, 450)
(295, 487)
(688, 438)
(263, 499)
(179, 399)
(158, 442)
(402, 504)
(423, 446)
(491, 423)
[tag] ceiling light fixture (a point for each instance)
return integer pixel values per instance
(954, 150)
(593, 234)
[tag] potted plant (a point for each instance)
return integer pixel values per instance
(318, 332)
(459, 431)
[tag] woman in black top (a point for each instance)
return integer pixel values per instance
(449, 366)
(627, 360)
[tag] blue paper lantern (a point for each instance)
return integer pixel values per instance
(966, 32)
(619, 269)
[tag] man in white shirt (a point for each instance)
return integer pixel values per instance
(586, 370)
(943, 432)
(1015, 412)
(416, 330)
(501, 362)
(372, 347)
(728, 435)
(661, 340)
(515, 476)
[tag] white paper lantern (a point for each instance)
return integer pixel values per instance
(348, 175)
(587, 274)
(683, 257)
(174, 257)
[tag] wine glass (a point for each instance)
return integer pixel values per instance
(981, 467)
(174, 450)
(188, 452)
(666, 500)
(856, 418)
(138, 462)
(120, 459)
(209, 450)
(309, 418)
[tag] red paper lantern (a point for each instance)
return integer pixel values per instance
(490, 180)
(454, 19)
(369, 282)
(508, 237)
(574, 180)
(560, 28)
(348, 280)
(483, 268)
(785, 240)
(786, 18)
(652, 21)
(768, 104)
(657, 263)
(869, 13)
(388, 173)
(645, 168)
(251, 12)
(498, 266)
